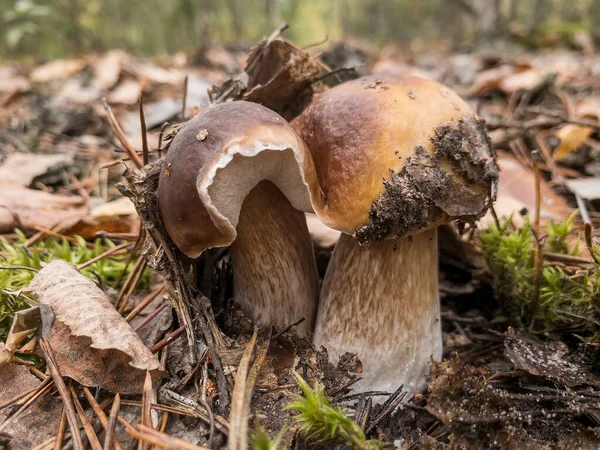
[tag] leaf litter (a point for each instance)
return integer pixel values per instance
(498, 387)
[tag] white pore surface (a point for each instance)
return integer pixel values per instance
(228, 183)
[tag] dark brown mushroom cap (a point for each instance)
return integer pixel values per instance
(397, 156)
(214, 162)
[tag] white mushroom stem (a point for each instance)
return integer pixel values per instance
(383, 305)
(275, 274)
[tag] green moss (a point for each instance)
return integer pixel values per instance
(565, 300)
(17, 254)
(321, 423)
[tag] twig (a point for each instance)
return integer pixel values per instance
(108, 252)
(289, 327)
(151, 316)
(87, 426)
(121, 136)
(144, 303)
(161, 135)
(387, 408)
(64, 393)
(161, 439)
(185, 92)
(144, 130)
(104, 421)
(538, 197)
(168, 339)
(62, 426)
(146, 407)
(112, 423)
(18, 268)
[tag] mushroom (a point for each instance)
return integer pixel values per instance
(395, 159)
(238, 174)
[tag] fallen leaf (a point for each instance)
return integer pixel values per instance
(41, 417)
(127, 92)
(587, 188)
(22, 168)
(93, 343)
(516, 191)
(549, 359)
(32, 208)
(571, 138)
(490, 79)
(589, 108)
(57, 69)
(521, 81)
(107, 69)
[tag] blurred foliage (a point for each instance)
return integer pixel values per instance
(108, 269)
(55, 28)
(564, 300)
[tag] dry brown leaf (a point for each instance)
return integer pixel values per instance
(39, 422)
(107, 69)
(127, 92)
(490, 79)
(30, 208)
(93, 343)
(22, 168)
(516, 190)
(571, 138)
(57, 69)
(589, 108)
(522, 81)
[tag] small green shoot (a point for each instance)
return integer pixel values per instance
(322, 423)
(262, 441)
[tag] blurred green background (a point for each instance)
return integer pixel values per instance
(53, 28)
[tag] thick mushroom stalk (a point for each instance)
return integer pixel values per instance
(237, 174)
(395, 160)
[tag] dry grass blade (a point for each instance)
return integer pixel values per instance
(237, 439)
(144, 131)
(163, 440)
(87, 426)
(190, 407)
(242, 392)
(146, 408)
(101, 416)
(109, 252)
(134, 283)
(64, 393)
(144, 303)
(121, 136)
(62, 426)
(112, 424)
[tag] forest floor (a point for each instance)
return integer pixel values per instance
(520, 294)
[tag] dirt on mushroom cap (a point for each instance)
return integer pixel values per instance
(424, 194)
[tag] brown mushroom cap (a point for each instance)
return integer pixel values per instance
(200, 201)
(391, 156)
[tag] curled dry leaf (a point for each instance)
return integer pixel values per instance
(93, 343)
(571, 138)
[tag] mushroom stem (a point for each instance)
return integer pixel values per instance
(383, 305)
(275, 274)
